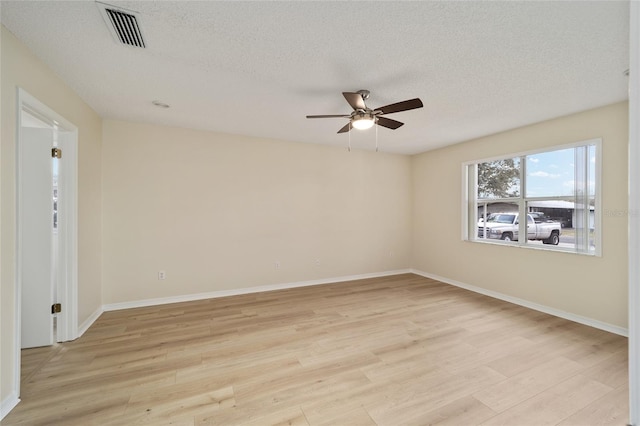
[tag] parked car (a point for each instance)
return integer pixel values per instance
(505, 226)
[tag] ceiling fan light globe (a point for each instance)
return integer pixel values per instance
(362, 123)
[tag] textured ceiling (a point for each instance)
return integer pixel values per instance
(257, 68)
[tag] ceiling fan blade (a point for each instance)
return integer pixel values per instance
(329, 116)
(388, 123)
(346, 128)
(401, 106)
(355, 100)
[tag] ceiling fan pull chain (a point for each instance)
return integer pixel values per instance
(376, 138)
(349, 136)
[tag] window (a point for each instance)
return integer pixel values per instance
(556, 190)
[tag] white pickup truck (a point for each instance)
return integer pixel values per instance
(504, 226)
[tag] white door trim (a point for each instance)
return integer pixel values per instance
(68, 285)
(634, 215)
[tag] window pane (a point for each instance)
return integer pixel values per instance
(585, 225)
(499, 178)
(501, 221)
(566, 216)
(591, 244)
(585, 198)
(592, 170)
(551, 174)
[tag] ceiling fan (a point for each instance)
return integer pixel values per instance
(364, 117)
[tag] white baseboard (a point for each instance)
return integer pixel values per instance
(258, 289)
(248, 290)
(527, 304)
(8, 404)
(89, 321)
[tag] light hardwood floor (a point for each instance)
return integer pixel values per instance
(401, 350)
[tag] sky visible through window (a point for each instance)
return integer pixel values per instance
(552, 174)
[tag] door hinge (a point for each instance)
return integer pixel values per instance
(56, 308)
(56, 153)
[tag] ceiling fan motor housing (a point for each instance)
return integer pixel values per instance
(364, 94)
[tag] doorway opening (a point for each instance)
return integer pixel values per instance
(46, 233)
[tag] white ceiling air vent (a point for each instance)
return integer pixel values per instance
(123, 24)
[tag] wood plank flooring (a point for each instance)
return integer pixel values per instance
(401, 350)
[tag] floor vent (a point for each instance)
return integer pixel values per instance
(123, 25)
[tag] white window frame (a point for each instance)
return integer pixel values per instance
(469, 198)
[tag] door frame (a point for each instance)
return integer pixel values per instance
(67, 282)
(634, 214)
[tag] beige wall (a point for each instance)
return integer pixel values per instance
(21, 68)
(593, 287)
(216, 211)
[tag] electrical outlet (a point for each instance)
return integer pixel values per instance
(276, 264)
(317, 262)
(162, 275)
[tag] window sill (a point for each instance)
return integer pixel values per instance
(533, 245)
